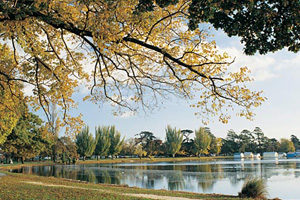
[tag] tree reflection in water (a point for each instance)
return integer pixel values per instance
(175, 179)
(188, 176)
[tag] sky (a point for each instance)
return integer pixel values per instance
(277, 74)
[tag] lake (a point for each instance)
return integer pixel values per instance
(219, 176)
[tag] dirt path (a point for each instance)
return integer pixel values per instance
(149, 196)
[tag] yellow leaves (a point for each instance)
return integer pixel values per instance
(90, 46)
(10, 93)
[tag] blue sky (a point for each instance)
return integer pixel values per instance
(277, 74)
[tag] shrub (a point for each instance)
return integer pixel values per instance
(254, 188)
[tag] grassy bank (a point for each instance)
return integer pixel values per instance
(22, 186)
(119, 160)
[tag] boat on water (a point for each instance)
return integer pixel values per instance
(238, 155)
(267, 155)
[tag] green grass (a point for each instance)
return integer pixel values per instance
(16, 186)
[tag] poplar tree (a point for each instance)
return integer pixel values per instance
(85, 143)
(103, 141)
(202, 141)
(174, 140)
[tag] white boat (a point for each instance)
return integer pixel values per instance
(238, 155)
(270, 155)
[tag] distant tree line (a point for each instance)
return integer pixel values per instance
(33, 139)
(255, 141)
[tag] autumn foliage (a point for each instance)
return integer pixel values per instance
(128, 58)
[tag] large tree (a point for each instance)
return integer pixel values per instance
(202, 141)
(286, 145)
(272, 145)
(103, 141)
(149, 142)
(11, 95)
(263, 26)
(296, 141)
(28, 138)
(116, 142)
(85, 143)
(174, 140)
(215, 145)
(129, 147)
(68, 150)
(187, 143)
(229, 145)
(121, 53)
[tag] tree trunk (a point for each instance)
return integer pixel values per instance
(83, 158)
(22, 160)
(173, 155)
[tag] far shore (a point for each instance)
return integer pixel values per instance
(112, 161)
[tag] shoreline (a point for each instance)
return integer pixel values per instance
(113, 161)
(14, 185)
(109, 190)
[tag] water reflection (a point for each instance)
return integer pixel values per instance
(222, 176)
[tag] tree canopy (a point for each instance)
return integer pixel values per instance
(103, 140)
(28, 138)
(85, 143)
(202, 141)
(286, 146)
(120, 53)
(116, 142)
(149, 142)
(10, 94)
(263, 26)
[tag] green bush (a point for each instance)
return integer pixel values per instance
(254, 188)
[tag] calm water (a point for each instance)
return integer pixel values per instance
(220, 176)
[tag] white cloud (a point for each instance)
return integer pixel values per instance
(127, 114)
(288, 63)
(261, 66)
(28, 89)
